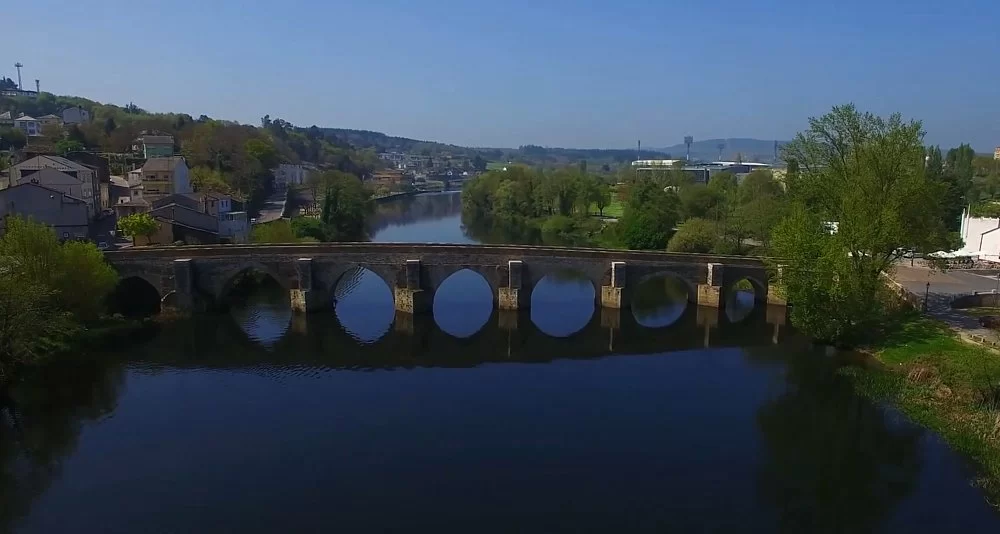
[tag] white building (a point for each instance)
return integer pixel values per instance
(75, 115)
(287, 174)
(981, 235)
(29, 125)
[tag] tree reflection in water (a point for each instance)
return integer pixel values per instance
(659, 301)
(40, 422)
(834, 461)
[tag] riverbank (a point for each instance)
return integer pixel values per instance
(944, 384)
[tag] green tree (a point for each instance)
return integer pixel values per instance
(138, 225)
(949, 187)
(865, 173)
(65, 146)
(696, 236)
(698, 201)
(346, 207)
(279, 231)
(308, 227)
(959, 162)
(47, 291)
(650, 216)
(602, 197)
(83, 281)
(262, 151)
(478, 163)
(12, 138)
(759, 184)
(30, 326)
(208, 180)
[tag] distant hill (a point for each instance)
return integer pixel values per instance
(760, 150)
(529, 154)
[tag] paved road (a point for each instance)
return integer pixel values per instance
(272, 209)
(944, 287)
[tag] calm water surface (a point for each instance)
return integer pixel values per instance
(565, 418)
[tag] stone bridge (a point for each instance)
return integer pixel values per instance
(199, 277)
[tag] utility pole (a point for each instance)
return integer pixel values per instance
(18, 66)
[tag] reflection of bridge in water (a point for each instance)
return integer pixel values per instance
(416, 341)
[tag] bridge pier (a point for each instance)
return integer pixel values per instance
(307, 298)
(184, 298)
(710, 293)
(412, 298)
(515, 296)
(614, 296)
(776, 291)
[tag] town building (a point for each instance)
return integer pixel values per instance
(18, 92)
(199, 218)
(700, 173)
(29, 125)
(996, 153)
(154, 146)
(102, 172)
(162, 176)
(50, 120)
(29, 170)
(68, 216)
(126, 194)
(75, 115)
(287, 174)
(6, 120)
(391, 179)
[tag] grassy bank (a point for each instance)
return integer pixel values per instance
(614, 209)
(944, 384)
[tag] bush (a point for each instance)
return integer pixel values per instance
(641, 232)
(696, 236)
(308, 227)
(47, 292)
(279, 231)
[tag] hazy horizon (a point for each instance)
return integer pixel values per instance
(549, 73)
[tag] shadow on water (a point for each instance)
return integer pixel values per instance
(40, 423)
(834, 461)
(773, 439)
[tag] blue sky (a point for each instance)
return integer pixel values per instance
(551, 72)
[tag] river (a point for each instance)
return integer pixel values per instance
(561, 419)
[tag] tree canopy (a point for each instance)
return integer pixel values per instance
(866, 173)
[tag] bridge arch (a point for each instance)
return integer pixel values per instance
(225, 281)
(136, 295)
(660, 299)
(692, 289)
